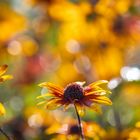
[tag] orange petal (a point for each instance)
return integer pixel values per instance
(2, 109)
(3, 69)
(102, 100)
(5, 77)
(52, 87)
(53, 104)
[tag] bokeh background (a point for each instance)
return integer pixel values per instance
(63, 41)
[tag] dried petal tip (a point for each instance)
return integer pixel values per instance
(80, 83)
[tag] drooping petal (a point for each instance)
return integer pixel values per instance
(3, 69)
(80, 109)
(2, 109)
(96, 108)
(5, 77)
(52, 87)
(54, 104)
(102, 100)
(66, 106)
(89, 103)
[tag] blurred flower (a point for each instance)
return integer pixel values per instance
(8, 17)
(135, 133)
(108, 61)
(22, 45)
(109, 8)
(2, 109)
(70, 130)
(131, 93)
(3, 69)
(37, 118)
(74, 93)
(31, 70)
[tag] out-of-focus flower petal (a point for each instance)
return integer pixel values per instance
(96, 108)
(2, 109)
(5, 77)
(3, 69)
(80, 109)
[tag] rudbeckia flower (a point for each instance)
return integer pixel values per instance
(77, 94)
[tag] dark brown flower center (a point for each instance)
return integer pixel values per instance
(73, 92)
(74, 129)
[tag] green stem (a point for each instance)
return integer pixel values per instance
(79, 123)
(8, 138)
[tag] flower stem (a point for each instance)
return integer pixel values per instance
(8, 138)
(79, 123)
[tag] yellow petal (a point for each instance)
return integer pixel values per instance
(53, 104)
(99, 83)
(42, 102)
(3, 69)
(52, 87)
(96, 108)
(44, 95)
(66, 106)
(2, 109)
(102, 100)
(96, 92)
(5, 77)
(80, 109)
(103, 84)
(53, 128)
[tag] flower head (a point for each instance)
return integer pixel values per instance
(75, 93)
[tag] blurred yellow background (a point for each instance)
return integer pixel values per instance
(62, 41)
